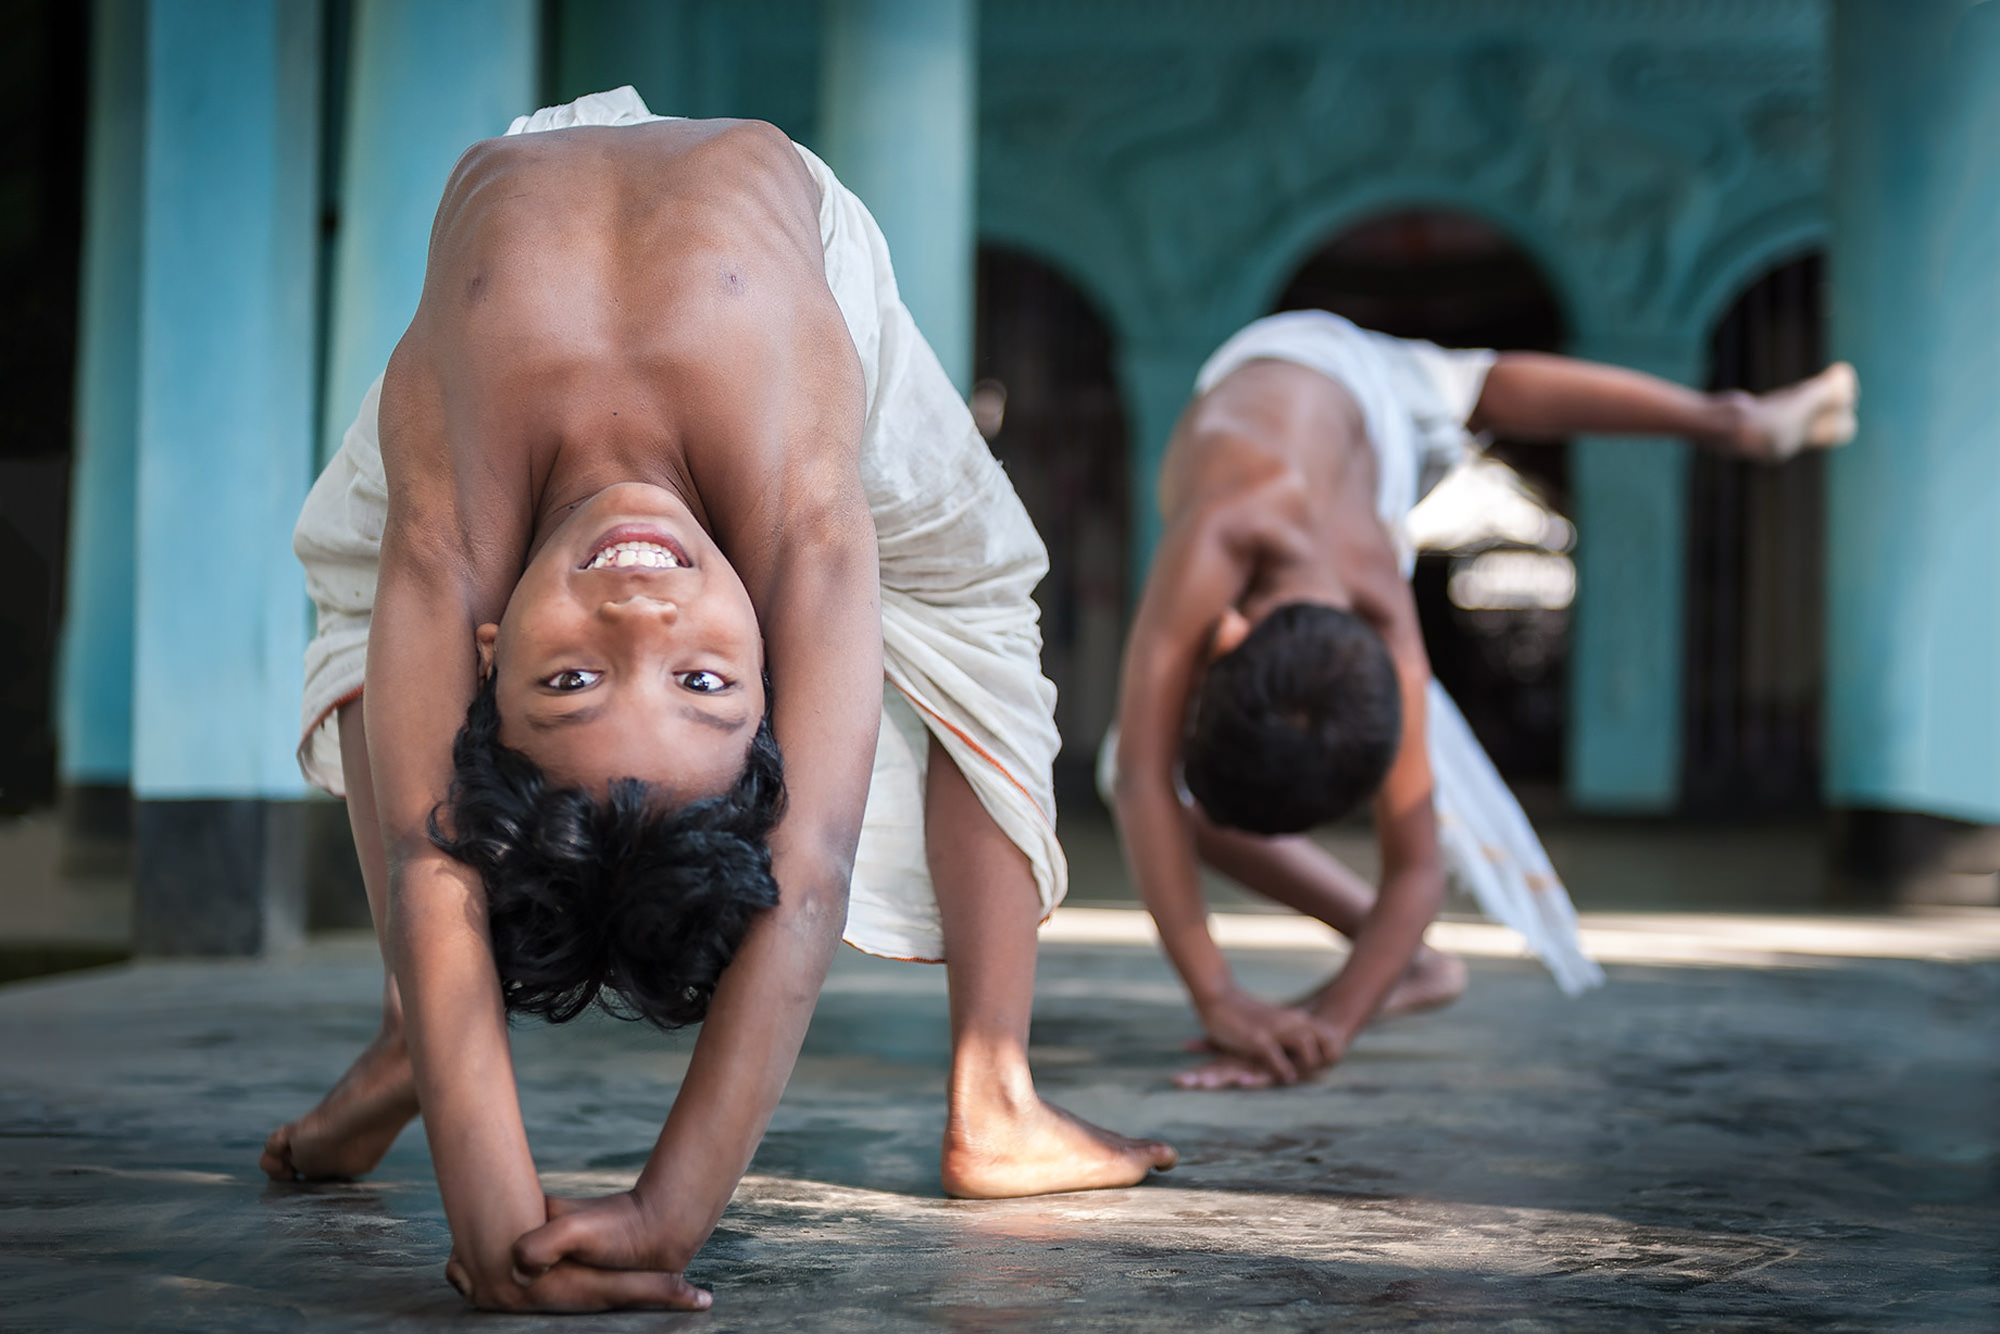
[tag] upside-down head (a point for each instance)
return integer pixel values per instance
(1296, 725)
(616, 780)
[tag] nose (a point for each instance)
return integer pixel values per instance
(639, 607)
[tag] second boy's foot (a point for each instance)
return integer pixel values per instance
(1042, 1150)
(1812, 414)
(1434, 979)
(354, 1125)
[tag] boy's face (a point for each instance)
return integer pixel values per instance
(629, 649)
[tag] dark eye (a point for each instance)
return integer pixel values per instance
(702, 683)
(573, 678)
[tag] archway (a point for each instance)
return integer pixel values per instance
(1756, 552)
(1046, 398)
(1494, 604)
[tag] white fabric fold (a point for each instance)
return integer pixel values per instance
(959, 563)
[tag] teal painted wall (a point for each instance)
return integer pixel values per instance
(227, 262)
(898, 94)
(426, 78)
(94, 675)
(1914, 504)
(1176, 159)
(1179, 159)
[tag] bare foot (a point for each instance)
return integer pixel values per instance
(354, 1125)
(1812, 414)
(1434, 979)
(1041, 1151)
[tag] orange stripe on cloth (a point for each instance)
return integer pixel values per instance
(977, 749)
(324, 714)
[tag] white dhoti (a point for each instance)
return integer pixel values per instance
(1415, 398)
(959, 563)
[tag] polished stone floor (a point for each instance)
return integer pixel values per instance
(1809, 1140)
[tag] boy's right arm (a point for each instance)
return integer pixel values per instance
(421, 675)
(1194, 581)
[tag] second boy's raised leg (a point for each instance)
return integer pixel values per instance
(1304, 876)
(1000, 1138)
(1534, 394)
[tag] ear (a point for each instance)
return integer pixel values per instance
(1230, 632)
(484, 638)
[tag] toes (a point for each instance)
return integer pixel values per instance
(276, 1160)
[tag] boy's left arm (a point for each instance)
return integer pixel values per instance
(1412, 886)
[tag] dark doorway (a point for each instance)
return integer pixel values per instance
(1756, 539)
(1460, 282)
(42, 54)
(1047, 399)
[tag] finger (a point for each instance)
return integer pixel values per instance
(460, 1278)
(1201, 1076)
(1199, 1045)
(1302, 1045)
(276, 1160)
(1334, 1045)
(1247, 1077)
(1274, 1058)
(567, 1237)
(561, 1205)
(574, 1287)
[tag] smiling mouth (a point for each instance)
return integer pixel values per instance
(629, 547)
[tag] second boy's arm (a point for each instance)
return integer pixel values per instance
(1412, 884)
(1195, 579)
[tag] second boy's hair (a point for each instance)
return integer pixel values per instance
(617, 900)
(1295, 726)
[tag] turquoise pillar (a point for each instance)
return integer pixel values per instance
(227, 265)
(1158, 379)
(651, 44)
(426, 79)
(1913, 592)
(1630, 500)
(94, 681)
(898, 105)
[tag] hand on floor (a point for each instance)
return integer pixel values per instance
(607, 1236)
(1257, 1040)
(579, 1271)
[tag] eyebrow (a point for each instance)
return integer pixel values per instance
(569, 718)
(575, 717)
(716, 721)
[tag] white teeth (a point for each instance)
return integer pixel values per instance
(630, 555)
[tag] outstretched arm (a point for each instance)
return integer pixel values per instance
(1412, 887)
(421, 675)
(1535, 395)
(795, 522)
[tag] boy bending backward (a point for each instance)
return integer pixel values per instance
(661, 484)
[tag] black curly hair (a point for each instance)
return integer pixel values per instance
(619, 901)
(1295, 726)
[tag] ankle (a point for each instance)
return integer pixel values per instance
(986, 1090)
(1737, 423)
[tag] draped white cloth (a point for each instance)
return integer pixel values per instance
(959, 562)
(1415, 398)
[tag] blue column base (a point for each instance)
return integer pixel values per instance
(1883, 858)
(96, 829)
(219, 878)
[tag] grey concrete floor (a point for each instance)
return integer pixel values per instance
(1812, 1144)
